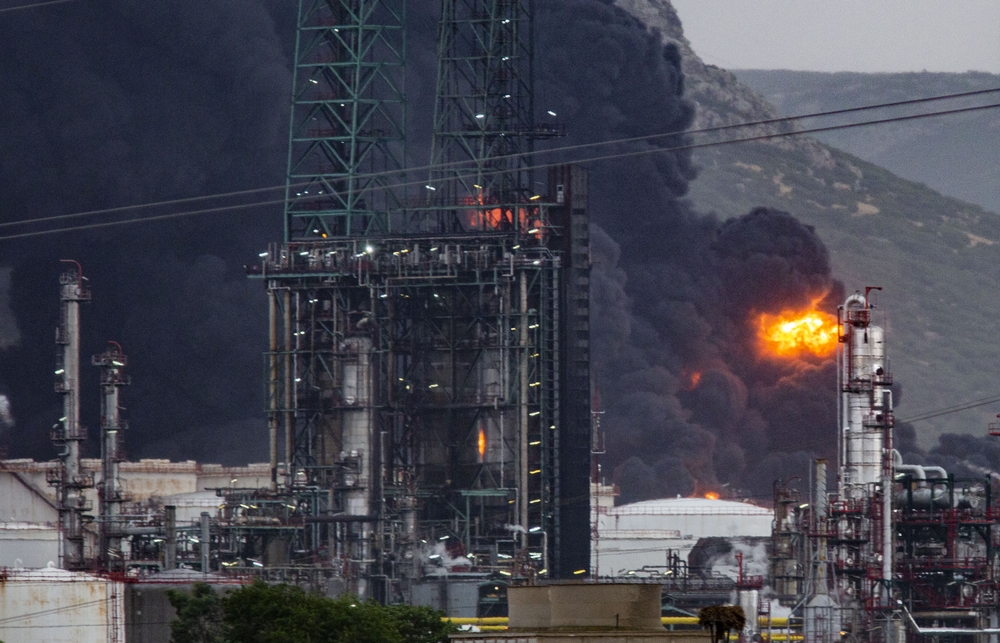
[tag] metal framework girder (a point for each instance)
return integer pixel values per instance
(347, 132)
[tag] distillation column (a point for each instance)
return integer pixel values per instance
(111, 362)
(357, 444)
(866, 401)
(67, 432)
(866, 463)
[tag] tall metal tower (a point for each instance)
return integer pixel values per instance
(67, 433)
(112, 363)
(418, 358)
(347, 128)
(484, 122)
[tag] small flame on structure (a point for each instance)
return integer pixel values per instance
(793, 333)
(712, 495)
(690, 379)
(481, 444)
(497, 218)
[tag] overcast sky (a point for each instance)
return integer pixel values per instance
(845, 35)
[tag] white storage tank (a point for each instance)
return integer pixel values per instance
(26, 544)
(631, 537)
(59, 606)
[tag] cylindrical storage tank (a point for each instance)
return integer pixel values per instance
(637, 535)
(59, 606)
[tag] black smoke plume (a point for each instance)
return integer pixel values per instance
(116, 103)
(676, 292)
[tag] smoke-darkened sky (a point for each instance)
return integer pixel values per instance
(116, 103)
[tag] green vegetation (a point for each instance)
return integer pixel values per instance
(720, 620)
(261, 613)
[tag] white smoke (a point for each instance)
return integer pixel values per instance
(6, 414)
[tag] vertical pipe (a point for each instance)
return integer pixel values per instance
(288, 375)
(206, 542)
(272, 383)
(170, 537)
(819, 509)
(67, 433)
(112, 362)
(522, 482)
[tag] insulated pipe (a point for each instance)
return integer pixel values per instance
(289, 411)
(206, 542)
(170, 544)
(272, 359)
(944, 631)
(941, 473)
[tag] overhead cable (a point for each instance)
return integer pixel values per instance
(591, 159)
(458, 164)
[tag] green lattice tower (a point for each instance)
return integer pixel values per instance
(484, 124)
(346, 141)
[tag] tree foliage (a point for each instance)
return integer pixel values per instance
(721, 619)
(199, 615)
(261, 613)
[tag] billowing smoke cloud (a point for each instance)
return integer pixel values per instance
(690, 404)
(158, 102)
(110, 104)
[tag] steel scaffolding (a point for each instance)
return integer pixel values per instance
(428, 359)
(347, 132)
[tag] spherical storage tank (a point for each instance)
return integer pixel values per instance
(642, 534)
(59, 606)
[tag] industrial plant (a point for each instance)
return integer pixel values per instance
(430, 410)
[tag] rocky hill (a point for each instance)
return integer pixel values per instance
(937, 257)
(952, 154)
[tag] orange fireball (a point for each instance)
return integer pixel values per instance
(793, 333)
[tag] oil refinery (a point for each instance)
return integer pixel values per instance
(432, 431)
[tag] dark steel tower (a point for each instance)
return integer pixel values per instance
(429, 364)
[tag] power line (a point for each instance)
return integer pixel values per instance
(565, 148)
(592, 159)
(964, 406)
(37, 4)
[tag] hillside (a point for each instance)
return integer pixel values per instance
(937, 258)
(953, 154)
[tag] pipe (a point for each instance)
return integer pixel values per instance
(944, 631)
(170, 546)
(522, 482)
(206, 542)
(272, 359)
(287, 385)
(941, 473)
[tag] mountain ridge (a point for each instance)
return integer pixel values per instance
(935, 256)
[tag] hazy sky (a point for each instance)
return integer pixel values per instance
(845, 35)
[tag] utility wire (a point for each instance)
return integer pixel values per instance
(37, 4)
(591, 159)
(565, 148)
(953, 409)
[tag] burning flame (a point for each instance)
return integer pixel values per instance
(498, 218)
(481, 444)
(796, 332)
(711, 495)
(691, 379)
